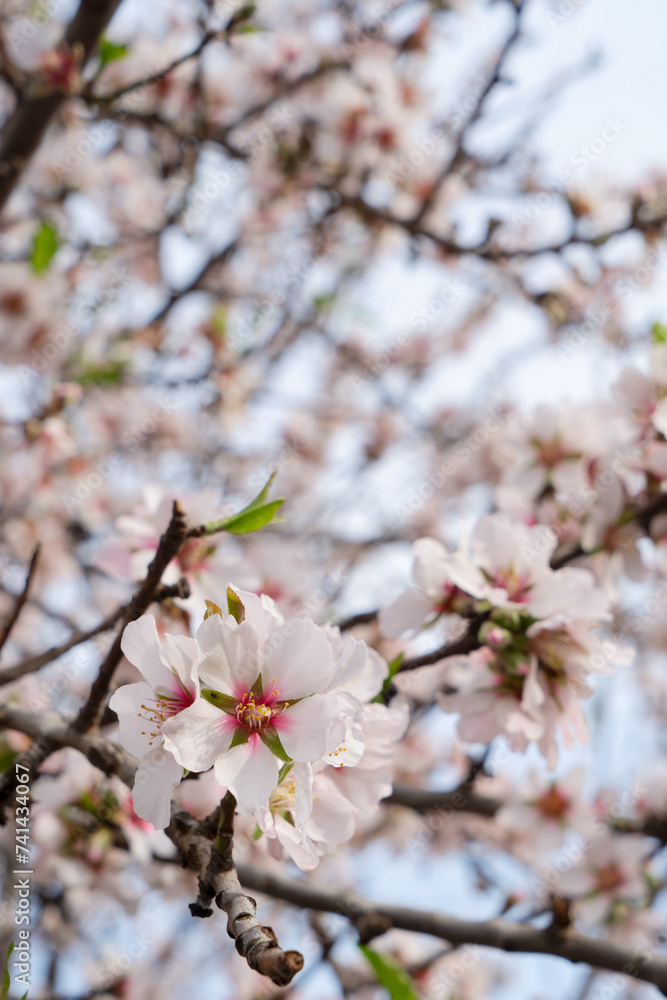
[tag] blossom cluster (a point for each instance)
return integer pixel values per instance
(536, 644)
(282, 711)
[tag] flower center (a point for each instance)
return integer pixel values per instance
(517, 586)
(554, 804)
(283, 797)
(253, 714)
(609, 878)
(162, 707)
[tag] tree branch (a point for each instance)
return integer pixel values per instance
(168, 547)
(21, 599)
(27, 124)
(218, 879)
(602, 954)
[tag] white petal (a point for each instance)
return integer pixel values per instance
(430, 569)
(250, 771)
(298, 656)
(303, 728)
(157, 776)
(134, 729)
(230, 658)
(181, 652)
(141, 646)
(197, 735)
(405, 614)
(260, 611)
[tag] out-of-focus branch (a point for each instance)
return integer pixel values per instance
(49, 728)
(21, 599)
(27, 124)
(459, 153)
(602, 954)
(33, 663)
(168, 547)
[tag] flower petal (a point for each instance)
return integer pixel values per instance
(134, 729)
(304, 727)
(250, 771)
(141, 645)
(298, 656)
(157, 776)
(197, 735)
(230, 658)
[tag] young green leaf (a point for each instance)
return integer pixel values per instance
(254, 516)
(110, 51)
(394, 667)
(395, 980)
(659, 333)
(224, 702)
(44, 245)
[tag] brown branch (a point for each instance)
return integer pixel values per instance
(461, 799)
(217, 879)
(501, 934)
(23, 131)
(361, 619)
(459, 153)
(370, 214)
(194, 840)
(21, 599)
(34, 663)
(168, 547)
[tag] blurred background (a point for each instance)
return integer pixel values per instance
(348, 243)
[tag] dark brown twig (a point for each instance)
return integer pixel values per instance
(21, 599)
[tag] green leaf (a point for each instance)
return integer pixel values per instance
(270, 739)
(108, 374)
(7, 756)
(235, 606)
(6, 981)
(252, 520)
(659, 333)
(241, 15)
(257, 833)
(224, 702)
(110, 51)
(395, 980)
(44, 245)
(394, 667)
(254, 516)
(212, 609)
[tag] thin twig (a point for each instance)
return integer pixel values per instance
(21, 599)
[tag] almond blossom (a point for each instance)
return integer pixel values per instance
(270, 695)
(537, 648)
(611, 870)
(170, 686)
